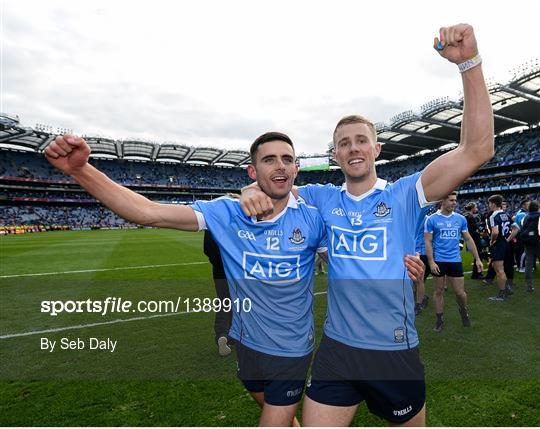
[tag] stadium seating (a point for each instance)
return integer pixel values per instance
(33, 193)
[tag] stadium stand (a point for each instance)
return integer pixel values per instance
(36, 197)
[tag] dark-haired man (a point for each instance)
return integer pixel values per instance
(369, 350)
(499, 222)
(223, 316)
(473, 225)
(268, 262)
(443, 231)
(519, 250)
(530, 236)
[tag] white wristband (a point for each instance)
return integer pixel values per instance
(469, 64)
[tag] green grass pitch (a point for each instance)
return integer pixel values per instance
(165, 370)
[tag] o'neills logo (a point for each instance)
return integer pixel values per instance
(403, 411)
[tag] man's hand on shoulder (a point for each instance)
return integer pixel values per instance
(255, 202)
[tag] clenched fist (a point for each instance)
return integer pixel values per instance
(458, 43)
(68, 153)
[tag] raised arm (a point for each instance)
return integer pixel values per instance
(476, 146)
(70, 155)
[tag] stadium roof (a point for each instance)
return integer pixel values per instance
(437, 124)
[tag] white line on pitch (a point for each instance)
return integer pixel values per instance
(112, 322)
(91, 325)
(101, 269)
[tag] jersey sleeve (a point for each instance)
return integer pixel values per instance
(316, 227)
(411, 198)
(492, 221)
(323, 237)
(428, 226)
(315, 195)
(464, 226)
(215, 215)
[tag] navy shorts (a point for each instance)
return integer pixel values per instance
(282, 379)
(427, 271)
(450, 269)
(498, 251)
(391, 382)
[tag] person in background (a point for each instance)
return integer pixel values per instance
(531, 240)
(443, 231)
(471, 215)
(223, 318)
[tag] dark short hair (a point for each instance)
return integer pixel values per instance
(496, 199)
(533, 206)
(451, 193)
(524, 201)
(265, 138)
(470, 206)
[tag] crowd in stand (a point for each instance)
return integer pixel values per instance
(517, 148)
(33, 166)
(82, 196)
(71, 217)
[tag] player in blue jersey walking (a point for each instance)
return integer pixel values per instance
(369, 350)
(443, 231)
(422, 298)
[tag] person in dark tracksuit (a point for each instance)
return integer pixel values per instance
(471, 215)
(222, 321)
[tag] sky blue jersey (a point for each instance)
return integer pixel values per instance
(370, 296)
(420, 243)
(271, 264)
(446, 230)
(518, 220)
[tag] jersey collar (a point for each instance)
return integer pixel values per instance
(439, 212)
(379, 185)
(292, 203)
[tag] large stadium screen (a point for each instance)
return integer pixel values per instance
(314, 163)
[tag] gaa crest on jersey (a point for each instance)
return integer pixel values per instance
(338, 211)
(382, 210)
(399, 335)
(297, 237)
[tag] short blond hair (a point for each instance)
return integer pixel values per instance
(355, 119)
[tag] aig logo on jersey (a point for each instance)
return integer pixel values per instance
(271, 268)
(363, 244)
(449, 234)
